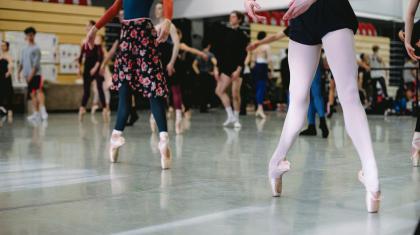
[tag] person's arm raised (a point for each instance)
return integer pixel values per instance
(108, 16)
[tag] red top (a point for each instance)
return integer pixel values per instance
(114, 9)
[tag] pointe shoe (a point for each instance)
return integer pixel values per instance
(415, 158)
(165, 152)
(415, 148)
(277, 181)
(116, 143)
(260, 114)
(95, 107)
(373, 200)
(82, 112)
(178, 126)
(152, 123)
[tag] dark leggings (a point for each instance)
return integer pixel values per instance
(176, 96)
(157, 105)
(6, 92)
(87, 81)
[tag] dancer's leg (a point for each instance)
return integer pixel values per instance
(157, 105)
(339, 48)
(303, 61)
(124, 96)
(100, 89)
(222, 84)
(236, 95)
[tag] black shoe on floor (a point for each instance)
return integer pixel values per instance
(324, 128)
(311, 131)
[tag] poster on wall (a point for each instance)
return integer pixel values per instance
(69, 55)
(49, 72)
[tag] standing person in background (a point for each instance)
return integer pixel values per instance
(138, 69)
(30, 70)
(169, 53)
(316, 105)
(411, 39)
(261, 60)
(376, 62)
(206, 71)
(231, 63)
(92, 59)
(6, 85)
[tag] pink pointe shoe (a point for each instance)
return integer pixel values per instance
(276, 182)
(373, 199)
(415, 149)
(165, 152)
(116, 143)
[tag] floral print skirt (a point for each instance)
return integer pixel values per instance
(138, 60)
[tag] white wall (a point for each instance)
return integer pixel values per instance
(391, 9)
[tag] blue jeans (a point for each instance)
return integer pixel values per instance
(157, 105)
(316, 104)
(260, 75)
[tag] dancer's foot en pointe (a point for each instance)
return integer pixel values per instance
(82, 112)
(95, 108)
(275, 175)
(116, 142)
(178, 122)
(165, 151)
(415, 157)
(152, 123)
(260, 114)
(373, 199)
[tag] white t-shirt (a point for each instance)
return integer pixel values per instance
(375, 63)
(407, 75)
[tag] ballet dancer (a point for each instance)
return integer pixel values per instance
(137, 68)
(231, 62)
(169, 53)
(261, 60)
(331, 23)
(6, 86)
(411, 38)
(30, 70)
(92, 60)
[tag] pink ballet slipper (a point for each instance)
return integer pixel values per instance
(116, 143)
(373, 199)
(275, 177)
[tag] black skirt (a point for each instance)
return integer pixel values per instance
(322, 17)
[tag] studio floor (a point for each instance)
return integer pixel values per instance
(55, 178)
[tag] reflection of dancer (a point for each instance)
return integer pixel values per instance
(138, 69)
(6, 87)
(231, 63)
(411, 39)
(334, 28)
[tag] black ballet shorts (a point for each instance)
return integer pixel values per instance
(227, 68)
(322, 17)
(35, 84)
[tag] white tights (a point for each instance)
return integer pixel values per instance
(303, 62)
